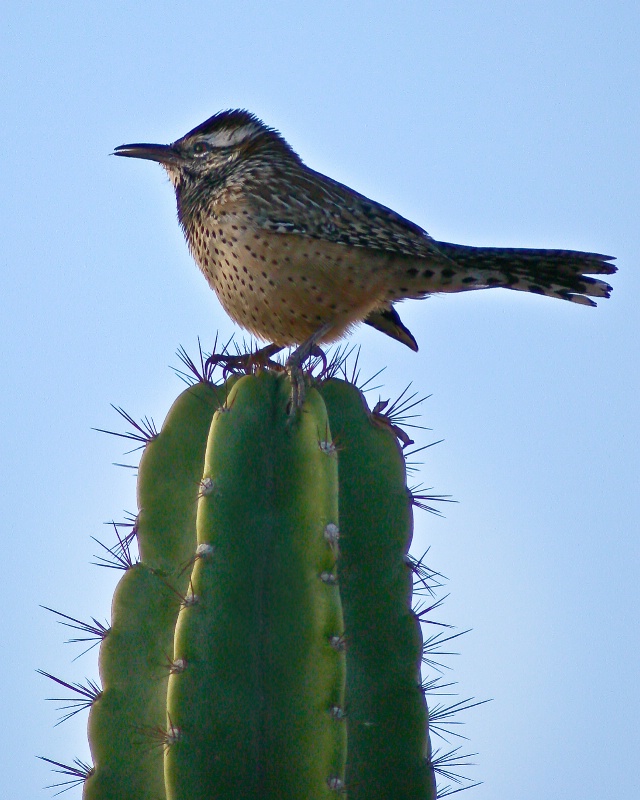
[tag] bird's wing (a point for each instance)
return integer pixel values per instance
(320, 208)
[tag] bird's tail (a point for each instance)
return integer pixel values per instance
(555, 273)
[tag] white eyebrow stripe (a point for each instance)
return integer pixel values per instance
(228, 137)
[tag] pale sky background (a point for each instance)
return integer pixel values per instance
(494, 123)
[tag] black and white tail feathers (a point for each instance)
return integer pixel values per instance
(555, 273)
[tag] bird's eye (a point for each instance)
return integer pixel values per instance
(199, 148)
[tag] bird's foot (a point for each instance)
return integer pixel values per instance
(247, 362)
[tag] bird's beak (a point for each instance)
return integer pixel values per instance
(162, 153)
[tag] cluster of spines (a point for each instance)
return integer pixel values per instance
(166, 563)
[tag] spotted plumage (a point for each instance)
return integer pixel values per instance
(296, 257)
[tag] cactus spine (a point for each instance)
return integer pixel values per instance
(264, 645)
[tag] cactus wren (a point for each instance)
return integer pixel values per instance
(297, 258)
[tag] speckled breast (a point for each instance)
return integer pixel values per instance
(283, 287)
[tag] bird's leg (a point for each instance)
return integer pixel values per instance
(294, 363)
(245, 363)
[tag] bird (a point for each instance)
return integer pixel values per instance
(298, 259)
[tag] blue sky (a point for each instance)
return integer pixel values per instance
(493, 123)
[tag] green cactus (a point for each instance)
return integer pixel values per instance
(264, 645)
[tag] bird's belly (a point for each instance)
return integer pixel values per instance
(284, 288)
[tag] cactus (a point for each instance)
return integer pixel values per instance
(264, 644)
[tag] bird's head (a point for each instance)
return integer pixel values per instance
(212, 148)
